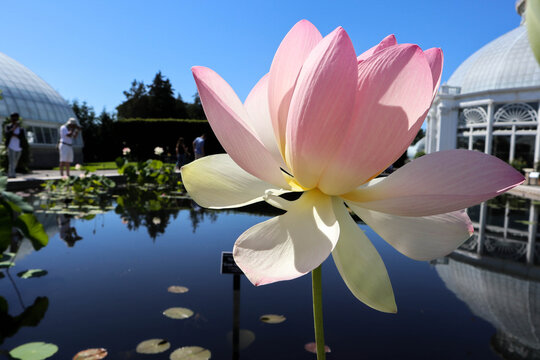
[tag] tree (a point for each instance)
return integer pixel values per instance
(136, 103)
(195, 110)
(162, 103)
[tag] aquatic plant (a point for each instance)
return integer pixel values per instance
(326, 123)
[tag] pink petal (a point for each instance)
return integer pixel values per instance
(290, 245)
(420, 238)
(395, 90)
(256, 105)
(435, 60)
(388, 41)
(321, 107)
(439, 183)
(289, 58)
(228, 119)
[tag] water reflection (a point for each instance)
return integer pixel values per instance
(68, 233)
(496, 274)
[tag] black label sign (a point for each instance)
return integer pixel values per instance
(228, 266)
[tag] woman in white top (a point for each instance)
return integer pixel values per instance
(68, 133)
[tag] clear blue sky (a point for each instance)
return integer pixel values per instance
(92, 50)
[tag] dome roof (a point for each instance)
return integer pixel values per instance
(510, 304)
(506, 62)
(26, 93)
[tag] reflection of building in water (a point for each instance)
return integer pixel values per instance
(491, 102)
(509, 303)
(505, 228)
(497, 274)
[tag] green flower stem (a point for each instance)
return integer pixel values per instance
(317, 312)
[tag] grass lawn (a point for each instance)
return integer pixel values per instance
(110, 165)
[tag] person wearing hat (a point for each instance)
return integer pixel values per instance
(14, 137)
(68, 133)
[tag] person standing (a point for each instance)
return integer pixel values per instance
(182, 153)
(198, 146)
(14, 138)
(68, 133)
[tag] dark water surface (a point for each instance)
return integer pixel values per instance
(110, 289)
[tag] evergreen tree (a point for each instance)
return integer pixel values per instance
(162, 103)
(195, 110)
(136, 103)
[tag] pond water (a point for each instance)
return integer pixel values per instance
(109, 289)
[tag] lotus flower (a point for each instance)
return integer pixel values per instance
(158, 150)
(126, 151)
(326, 123)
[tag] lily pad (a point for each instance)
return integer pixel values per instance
(32, 273)
(6, 264)
(177, 289)
(91, 354)
(178, 313)
(191, 353)
(312, 348)
(153, 346)
(5, 260)
(34, 351)
(272, 319)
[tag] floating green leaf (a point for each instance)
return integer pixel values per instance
(153, 346)
(32, 273)
(191, 353)
(178, 313)
(6, 260)
(34, 351)
(175, 289)
(272, 319)
(91, 354)
(33, 230)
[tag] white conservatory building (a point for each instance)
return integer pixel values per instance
(41, 108)
(491, 102)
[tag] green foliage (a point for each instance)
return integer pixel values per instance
(419, 154)
(16, 216)
(31, 316)
(97, 131)
(84, 194)
(157, 101)
(143, 135)
(518, 164)
(151, 174)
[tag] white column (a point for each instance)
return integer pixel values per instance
(531, 243)
(537, 143)
(429, 129)
(482, 228)
(489, 129)
(512, 144)
(470, 138)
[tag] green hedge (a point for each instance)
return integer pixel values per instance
(143, 135)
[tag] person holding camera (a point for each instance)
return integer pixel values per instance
(68, 133)
(14, 136)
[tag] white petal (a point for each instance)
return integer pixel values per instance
(360, 265)
(217, 182)
(420, 238)
(290, 245)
